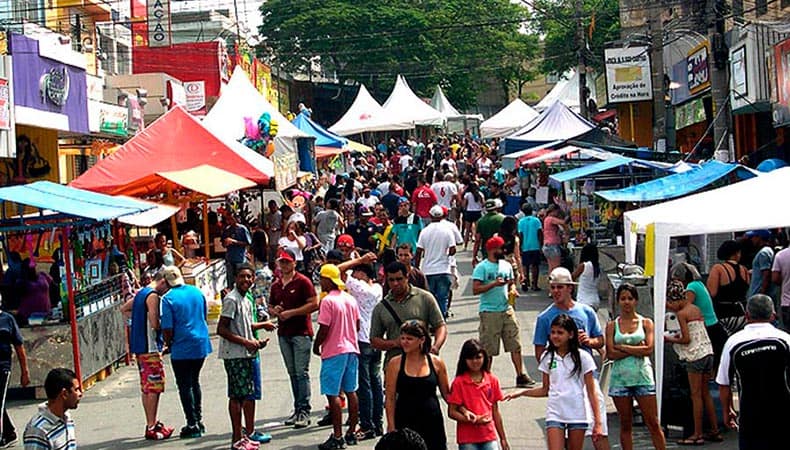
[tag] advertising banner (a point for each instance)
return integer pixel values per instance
(5, 105)
(195, 96)
(698, 68)
(628, 74)
(781, 109)
(159, 23)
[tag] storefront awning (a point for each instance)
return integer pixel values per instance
(677, 185)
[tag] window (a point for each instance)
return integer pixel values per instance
(760, 7)
(16, 12)
(737, 9)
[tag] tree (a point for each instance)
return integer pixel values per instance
(454, 43)
(556, 21)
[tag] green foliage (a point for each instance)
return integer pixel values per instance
(457, 44)
(556, 21)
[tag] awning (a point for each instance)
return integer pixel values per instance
(547, 155)
(207, 180)
(678, 184)
(590, 169)
(358, 147)
(322, 152)
(509, 161)
(157, 214)
(47, 195)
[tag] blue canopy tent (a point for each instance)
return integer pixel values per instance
(679, 184)
(602, 166)
(323, 137)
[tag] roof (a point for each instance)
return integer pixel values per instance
(440, 103)
(404, 105)
(323, 137)
(557, 122)
(365, 114)
(677, 185)
(602, 166)
(71, 201)
(175, 141)
(509, 120)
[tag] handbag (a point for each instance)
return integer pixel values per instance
(605, 376)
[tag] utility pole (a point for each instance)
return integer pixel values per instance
(719, 85)
(657, 72)
(581, 69)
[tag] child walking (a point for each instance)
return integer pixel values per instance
(694, 349)
(473, 401)
(567, 378)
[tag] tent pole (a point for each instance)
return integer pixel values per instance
(206, 237)
(171, 199)
(75, 335)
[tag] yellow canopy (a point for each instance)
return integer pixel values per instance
(358, 147)
(207, 180)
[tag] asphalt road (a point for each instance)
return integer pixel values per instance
(110, 415)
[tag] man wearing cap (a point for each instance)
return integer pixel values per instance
(491, 280)
(590, 334)
(345, 244)
(423, 200)
(235, 238)
(293, 299)
(185, 332)
(362, 230)
(761, 264)
(487, 226)
(437, 245)
(336, 344)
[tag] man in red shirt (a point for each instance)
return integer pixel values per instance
(423, 198)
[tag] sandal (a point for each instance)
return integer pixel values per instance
(714, 437)
(691, 441)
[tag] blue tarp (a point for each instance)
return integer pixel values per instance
(323, 137)
(72, 201)
(678, 184)
(592, 169)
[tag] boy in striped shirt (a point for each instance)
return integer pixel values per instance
(52, 428)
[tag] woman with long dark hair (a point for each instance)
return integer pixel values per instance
(472, 205)
(586, 274)
(508, 231)
(727, 284)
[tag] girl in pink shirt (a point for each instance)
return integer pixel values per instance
(553, 227)
(473, 401)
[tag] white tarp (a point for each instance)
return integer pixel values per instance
(510, 119)
(404, 106)
(365, 114)
(440, 103)
(704, 213)
(557, 122)
(566, 91)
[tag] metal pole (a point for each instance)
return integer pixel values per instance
(657, 72)
(581, 70)
(206, 237)
(75, 335)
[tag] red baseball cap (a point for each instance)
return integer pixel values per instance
(494, 242)
(345, 240)
(286, 255)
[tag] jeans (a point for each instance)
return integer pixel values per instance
(187, 374)
(490, 445)
(370, 392)
(439, 285)
(7, 429)
(296, 355)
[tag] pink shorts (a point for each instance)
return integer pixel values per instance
(152, 373)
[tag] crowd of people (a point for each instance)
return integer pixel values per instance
(373, 253)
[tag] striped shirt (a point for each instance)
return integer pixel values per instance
(48, 431)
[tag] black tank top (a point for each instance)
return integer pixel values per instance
(735, 290)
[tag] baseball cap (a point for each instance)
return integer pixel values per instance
(334, 255)
(561, 275)
(286, 254)
(765, 234)
(436, 211)
(345, 240)
(493, 204)
(365, 211)
(331, 272)
(172, 276)
(403, 200)
(494, 242)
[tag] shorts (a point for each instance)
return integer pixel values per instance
(490, 445)
(530, 258)
(552, 251)
(339, 373)
(632, 391)
(702, 365)
(496, 326)
(256, 380)
(152, 373)
(568, 426)
(241, 385)
(472, 216)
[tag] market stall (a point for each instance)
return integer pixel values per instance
(510, 119)
(80, 326)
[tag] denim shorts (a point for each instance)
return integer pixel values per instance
(490, 445)
(567, 426)
(632, 391)
(552, 251)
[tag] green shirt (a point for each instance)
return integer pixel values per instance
(488, 226)
(418, 304)
(703, 301)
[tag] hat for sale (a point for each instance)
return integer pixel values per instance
(332, 273)
(561, 275)
(345, 240)
(286, 255)
(172, 276)
(494, 242)
(764, 234)
(436, 211)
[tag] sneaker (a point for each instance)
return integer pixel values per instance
(325, 421)
(524, 381)
(245, 444)
(524, 287)
(190, 431)
(202, 427)
(364, 435)
(379, 430)
(158, 432)
(302, 420)
(261, 438)
(291, 419)
(332, 443)
(350, 438)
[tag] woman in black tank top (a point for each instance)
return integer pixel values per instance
(728, 283)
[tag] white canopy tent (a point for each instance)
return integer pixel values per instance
(558, 122)
(365, 114)
(566, 91)
(705, 213)
(456, 121)
(404, 106)
(507, 121)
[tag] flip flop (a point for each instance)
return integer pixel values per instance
(714, 437)
(690, 441)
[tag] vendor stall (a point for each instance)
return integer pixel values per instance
(79, 325)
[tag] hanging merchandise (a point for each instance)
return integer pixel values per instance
(259, 134)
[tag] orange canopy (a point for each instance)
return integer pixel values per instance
(176, 141)
(322, 152)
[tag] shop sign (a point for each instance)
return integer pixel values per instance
(54, 86)
(195, 96)
(95, 88)
(738, 71)
(286, 168)
(781, 109)
(5, 105)
(689, 113)
(698, 69)
(628, 74)
(113, 119)
(159, 23)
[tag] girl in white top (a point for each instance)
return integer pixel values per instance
(567, 378)
(294, 240)
(587, 273)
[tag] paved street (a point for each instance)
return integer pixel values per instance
(110, 415)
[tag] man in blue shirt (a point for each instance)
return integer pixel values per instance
(761, 264)
(185, 332)
(531, 232)
(235, 238)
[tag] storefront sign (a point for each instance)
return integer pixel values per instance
(689, 113)
(738, 72)
(195, 96)
(54, 86)
(5, 105)
(286, 167)
(95, 88)
(698, 69)
(781, 109)
(159, 23)
(108, 119)
(628, 74)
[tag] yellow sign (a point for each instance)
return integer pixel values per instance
(627, 74)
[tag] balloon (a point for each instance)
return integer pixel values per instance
(264, 122)
(251, 130)
(269, 149)
(273, 128)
